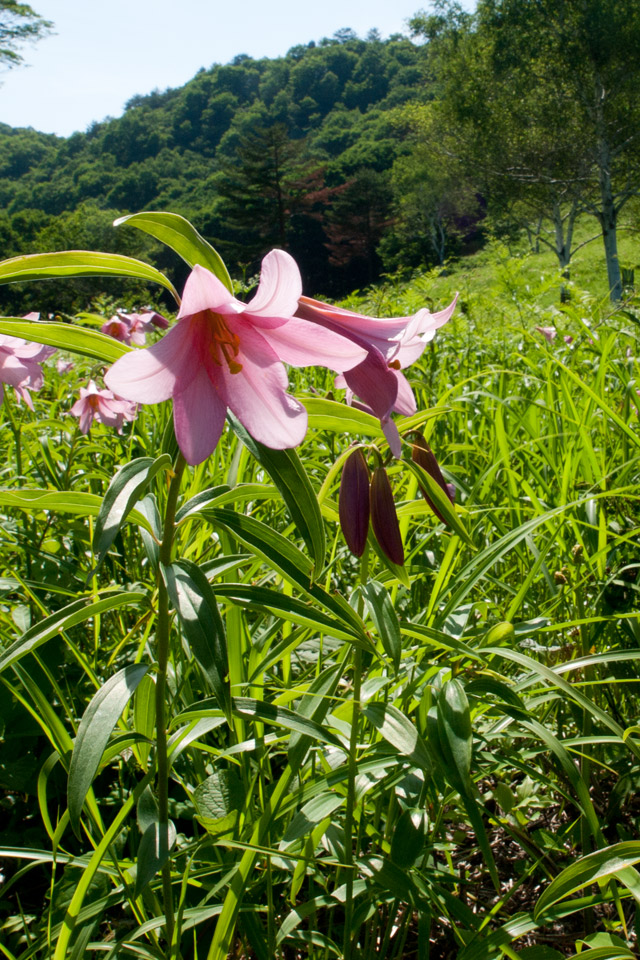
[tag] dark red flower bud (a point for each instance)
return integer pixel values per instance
(423, 455)
(353, 502)
(384, 519)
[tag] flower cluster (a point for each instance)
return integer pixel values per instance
(20, 366)
(103, 406)
(223, 354)
(131, 328)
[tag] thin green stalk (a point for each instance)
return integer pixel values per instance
(162, 655)
(353, 770)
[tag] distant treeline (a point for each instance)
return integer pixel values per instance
(358, 156)
(296, 152)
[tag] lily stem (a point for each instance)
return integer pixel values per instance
(353, 770)
(162, 655)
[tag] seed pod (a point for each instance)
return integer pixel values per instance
(423, 455)
(384, 519)
(353, 502)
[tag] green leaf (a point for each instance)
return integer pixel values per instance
(283, 717)
(289, 608)
(195, 603)
(76, 612)
(219, 800)
(341, 418)
(181, 236)
(454, 728)
(67, 336)
(287, 559)
(94, 731)
(62, 501)
(399, 731)
(610, 862)
(125, 489)
(153, 852)
(385, 619)
(409, 833)
(144, 715)
(440, 500)
(80, 263)
(287, 472)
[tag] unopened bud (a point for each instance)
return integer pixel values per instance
(353, 502)
(384, 519)
(423, 455)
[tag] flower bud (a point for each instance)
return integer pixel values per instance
(353, 502)
(384, 519)
(423, 455)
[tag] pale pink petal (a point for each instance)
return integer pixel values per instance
(427, 322)
(279, 289)
(405, 401)
(411, 349)
(374, 383)
(393, 437)
(198, 416)
(151, 375)
(15, 372)
(203, 291)
(302, 344)
(258, 394)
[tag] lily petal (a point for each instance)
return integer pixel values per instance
(303, 344)
(150, 376)
(203, 291)
(258, 396)
(374, 383)
(279, 289)
(198, 417)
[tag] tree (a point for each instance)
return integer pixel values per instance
(19, 24)
(542, 96)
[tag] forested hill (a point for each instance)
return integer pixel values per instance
(295, 152)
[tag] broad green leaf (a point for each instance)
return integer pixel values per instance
(341, 418)
(218, 496)
(126, 488)
(289, 608)
(311, 814)
(94, 731)
(80, 263)
(408, 839)
(76, 612)
(62, 501)
(219, 800)
(454, 728)
(287, 472)
(384, 616)
(283, 717)
(603, 864)
(66, 336)
(440, 500)
(398, 730)
(195, 603)
(181, 236)
(286, 558)
(153, 852)
(144, 715)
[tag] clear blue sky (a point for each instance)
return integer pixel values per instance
(103, 53)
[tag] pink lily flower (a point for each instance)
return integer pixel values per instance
(549, 333)
(117, 328)
(224, 354)
(391, 345)
(20, 366)
(103, 406)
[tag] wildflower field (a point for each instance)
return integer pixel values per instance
(332, 659)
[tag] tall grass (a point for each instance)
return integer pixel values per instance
(428, 762)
